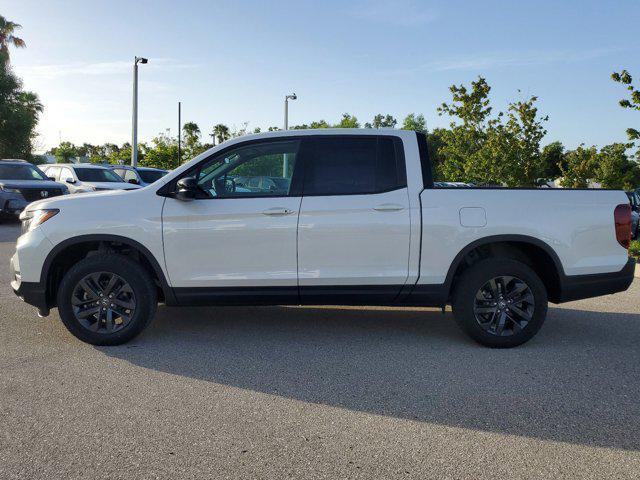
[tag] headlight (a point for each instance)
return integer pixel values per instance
(32, 218)
(9, 190)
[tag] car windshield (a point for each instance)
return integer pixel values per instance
(20, 172)
(97, 175)
(150, 176)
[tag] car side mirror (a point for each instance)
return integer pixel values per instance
(186, 189)
(53, 179)
(133, 181)
(70, 180)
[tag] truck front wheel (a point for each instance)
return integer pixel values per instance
(106, 299)
(500, 302)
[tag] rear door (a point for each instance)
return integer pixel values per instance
(354, 225)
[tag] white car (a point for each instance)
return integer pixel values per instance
(85, 177)
(353, 219)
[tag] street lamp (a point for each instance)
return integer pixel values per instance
(285, 158)
(134, 132)
(293, 96)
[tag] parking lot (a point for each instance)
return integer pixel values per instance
(286, 392)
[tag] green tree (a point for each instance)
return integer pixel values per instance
(19, 110)
(163, 153)
(615, 169)
(319, 124)
(579, 167)
(522, 134)
(64, 152)
(221, 133)
(490, 149)
(192, 144)
(415, 122)
(382, 121)
(552, 160)
(633, 102)
(464, 152)
(348, 121)
(7, 38)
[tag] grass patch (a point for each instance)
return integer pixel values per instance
(634, 249)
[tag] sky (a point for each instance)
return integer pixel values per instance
(234, 61)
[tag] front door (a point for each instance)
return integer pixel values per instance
(237, 242)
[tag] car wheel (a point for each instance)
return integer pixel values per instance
(106, 299)
(500, 303)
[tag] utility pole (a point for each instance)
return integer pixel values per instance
(179, 136)
(134, 128)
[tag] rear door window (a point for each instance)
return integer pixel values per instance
(346, 165)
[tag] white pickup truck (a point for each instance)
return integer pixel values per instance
(320, 217)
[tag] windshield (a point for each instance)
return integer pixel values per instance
(150, 176)
(20, 172)
(97, 175)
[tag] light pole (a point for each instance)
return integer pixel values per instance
(293, 96)
(134, 128)
(285, 158)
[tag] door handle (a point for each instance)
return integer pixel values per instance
(276, 211)
(388, 207)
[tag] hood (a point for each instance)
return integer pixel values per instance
(113, 185)
(61, 201)
(31, 184)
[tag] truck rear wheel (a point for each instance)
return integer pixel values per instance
(106, 299)
(500, 303)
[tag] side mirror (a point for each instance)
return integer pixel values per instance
(53, 179)
(70, 180)
(133, 181)
(186, 189)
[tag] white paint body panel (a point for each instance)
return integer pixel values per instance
(577, 224)
(135, 214)
(354, 239)
(231, 242)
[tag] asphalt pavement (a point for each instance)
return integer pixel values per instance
(320, 392)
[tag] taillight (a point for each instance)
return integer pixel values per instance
(622, 217)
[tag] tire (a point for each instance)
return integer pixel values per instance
(501, 320)
(133, 287)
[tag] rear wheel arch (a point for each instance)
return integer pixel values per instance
(66, 253)
(529, 250)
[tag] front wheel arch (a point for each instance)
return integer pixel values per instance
(64, 255)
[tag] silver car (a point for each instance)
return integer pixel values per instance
(85, 177)
(142, 176)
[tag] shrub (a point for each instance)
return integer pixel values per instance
(634, 249)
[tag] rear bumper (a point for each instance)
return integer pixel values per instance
(577, 287)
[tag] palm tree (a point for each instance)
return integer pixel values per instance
(7, 38)
(220, 133)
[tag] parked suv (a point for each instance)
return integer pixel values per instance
(355, 220)
(22, 183)
(142, 176)
(85, 177)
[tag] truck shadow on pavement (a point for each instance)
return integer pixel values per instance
(578, 381)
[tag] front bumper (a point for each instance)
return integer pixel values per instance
(577, 287)
(33, 293)
(26, 267)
